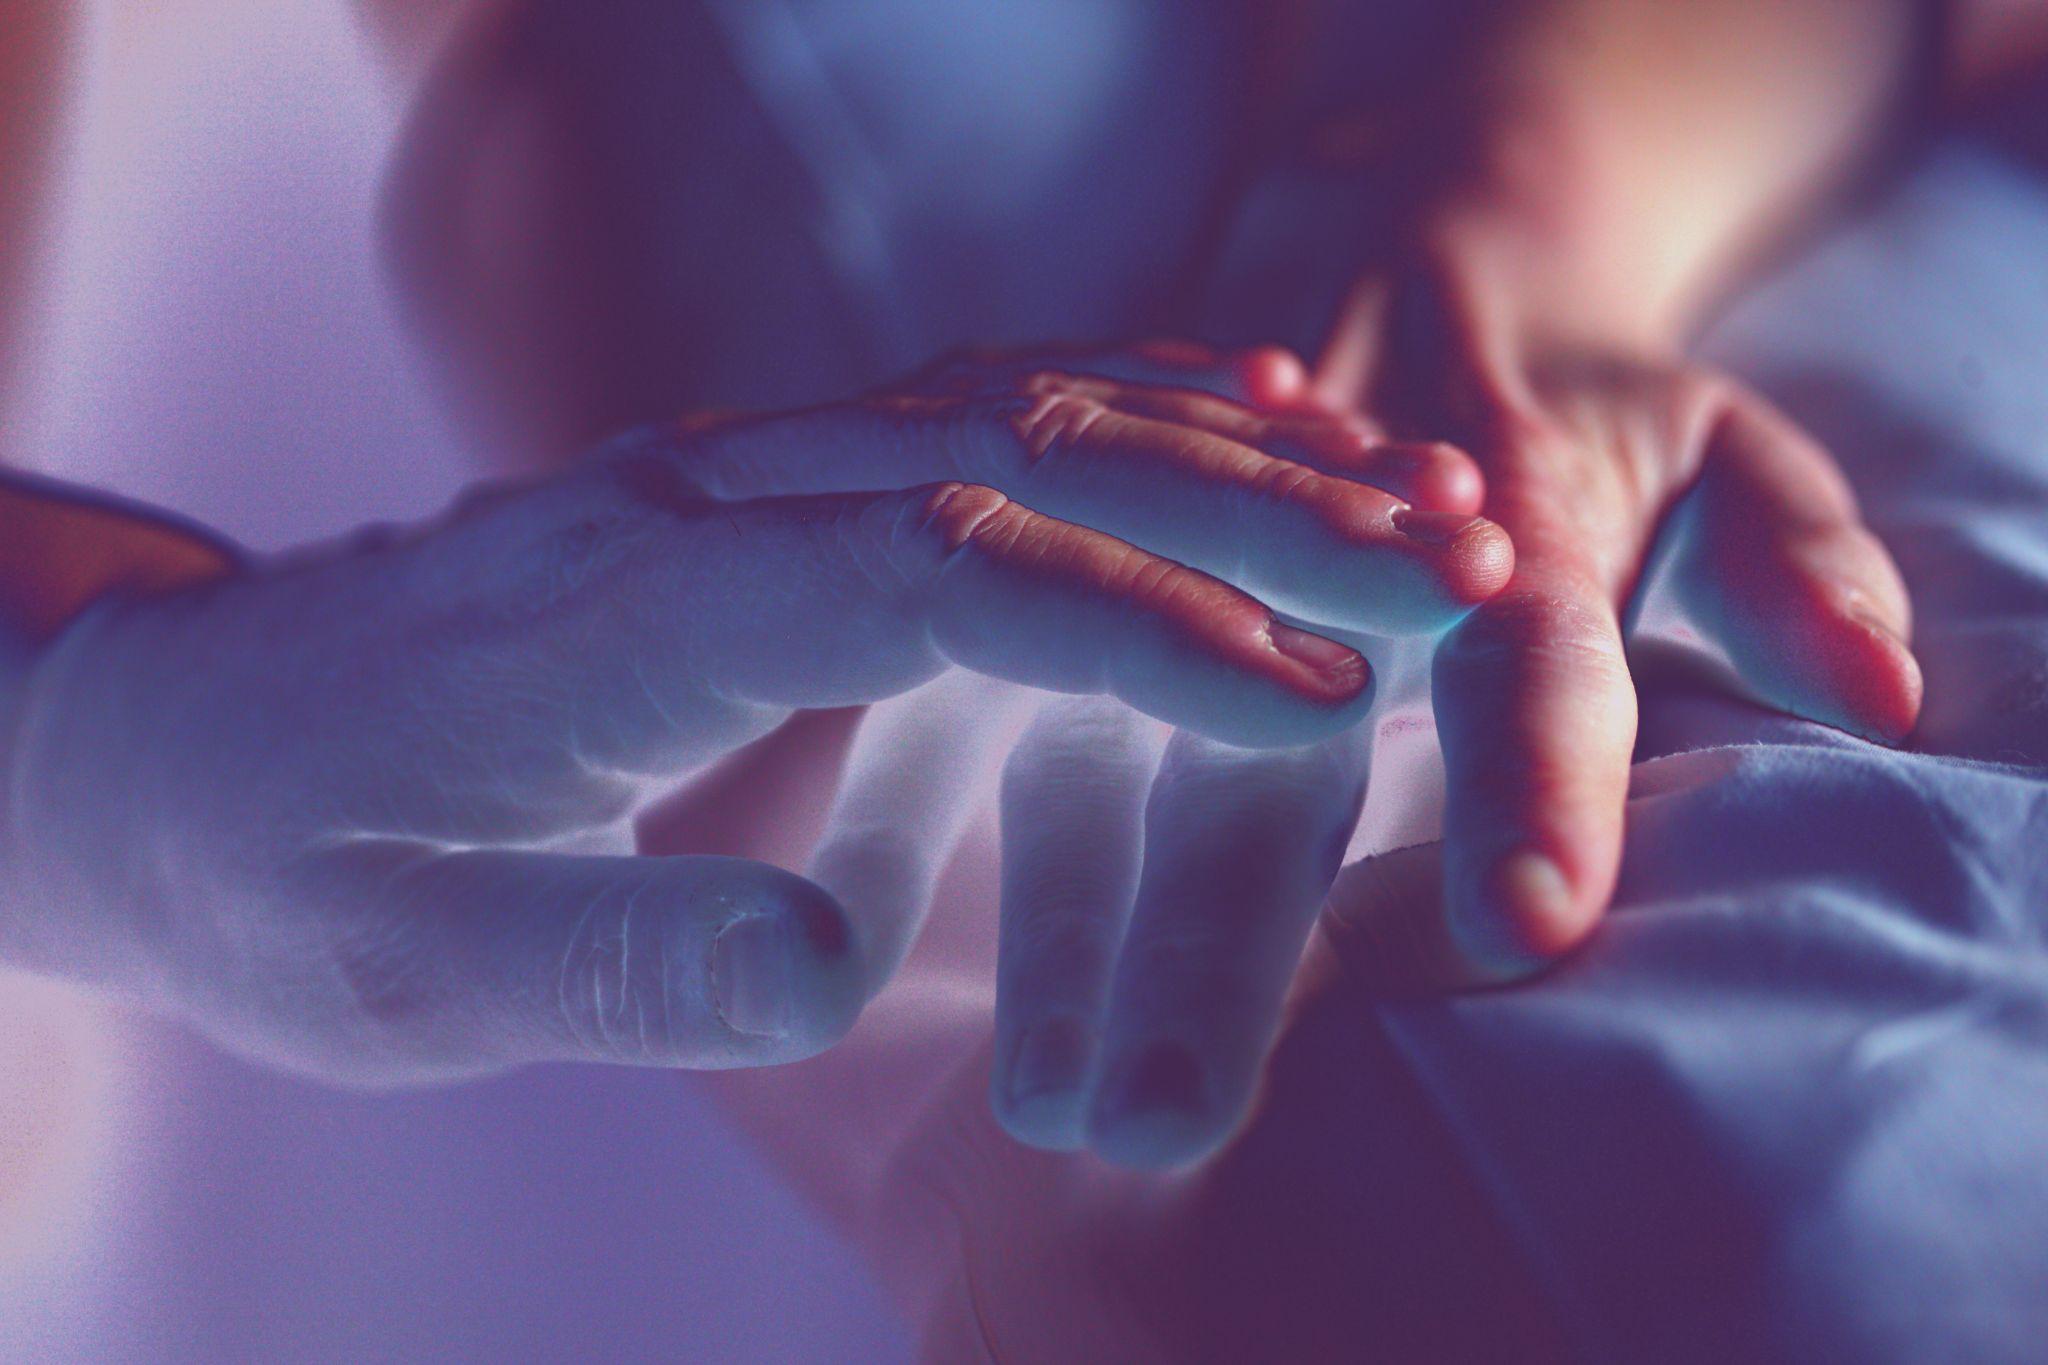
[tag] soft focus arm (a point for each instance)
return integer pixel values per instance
(1622, 159)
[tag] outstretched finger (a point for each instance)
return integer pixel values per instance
(1430, 475)
(1073, 814)
(915, 776)
(1776, 563)
(1240, 851)
(628, 628)
(870, 594)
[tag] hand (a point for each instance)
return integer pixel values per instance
(1157, 889)
(1589, 451)
(362, 813)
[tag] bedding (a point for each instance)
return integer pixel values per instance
(1792, 1103)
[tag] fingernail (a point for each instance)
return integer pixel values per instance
(1432, 528)
(1863, 610)
(1323, 655)
(1050, 1060)
(752, 976)
(1884, 711)
(1164, 1080)
(1528, 891)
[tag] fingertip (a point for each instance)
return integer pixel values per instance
(1837, 660)
(1038, 1091)
(1900, 713)
(1521, 916)
(1324, 669)
(1481, 561)
(1272, 376)
(1434, 477)
(1868, 680)
(1231, 671)
(785, 977)
(1155, 1110)
(1474, 557)
(1046, 1123)
(1882, 686)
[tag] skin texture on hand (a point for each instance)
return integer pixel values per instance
(365, 813)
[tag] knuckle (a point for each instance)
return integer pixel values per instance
(1505, 634)
(957, 514)
(618, 995)
(1285, 481)
(1153, 581)
(1056, 418)
(1164, 588)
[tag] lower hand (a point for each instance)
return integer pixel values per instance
(1590, 452)
(1154, 910)
(1157, 888)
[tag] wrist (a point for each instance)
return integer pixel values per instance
(1580, 290)
(1541, 210)
(62, 550)
(1627, 163)
(1472, 314)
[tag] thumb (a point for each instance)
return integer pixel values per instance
(1385, 919)
(478, 959)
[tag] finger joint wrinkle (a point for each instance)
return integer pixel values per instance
(964, 513)
(1057, 419)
